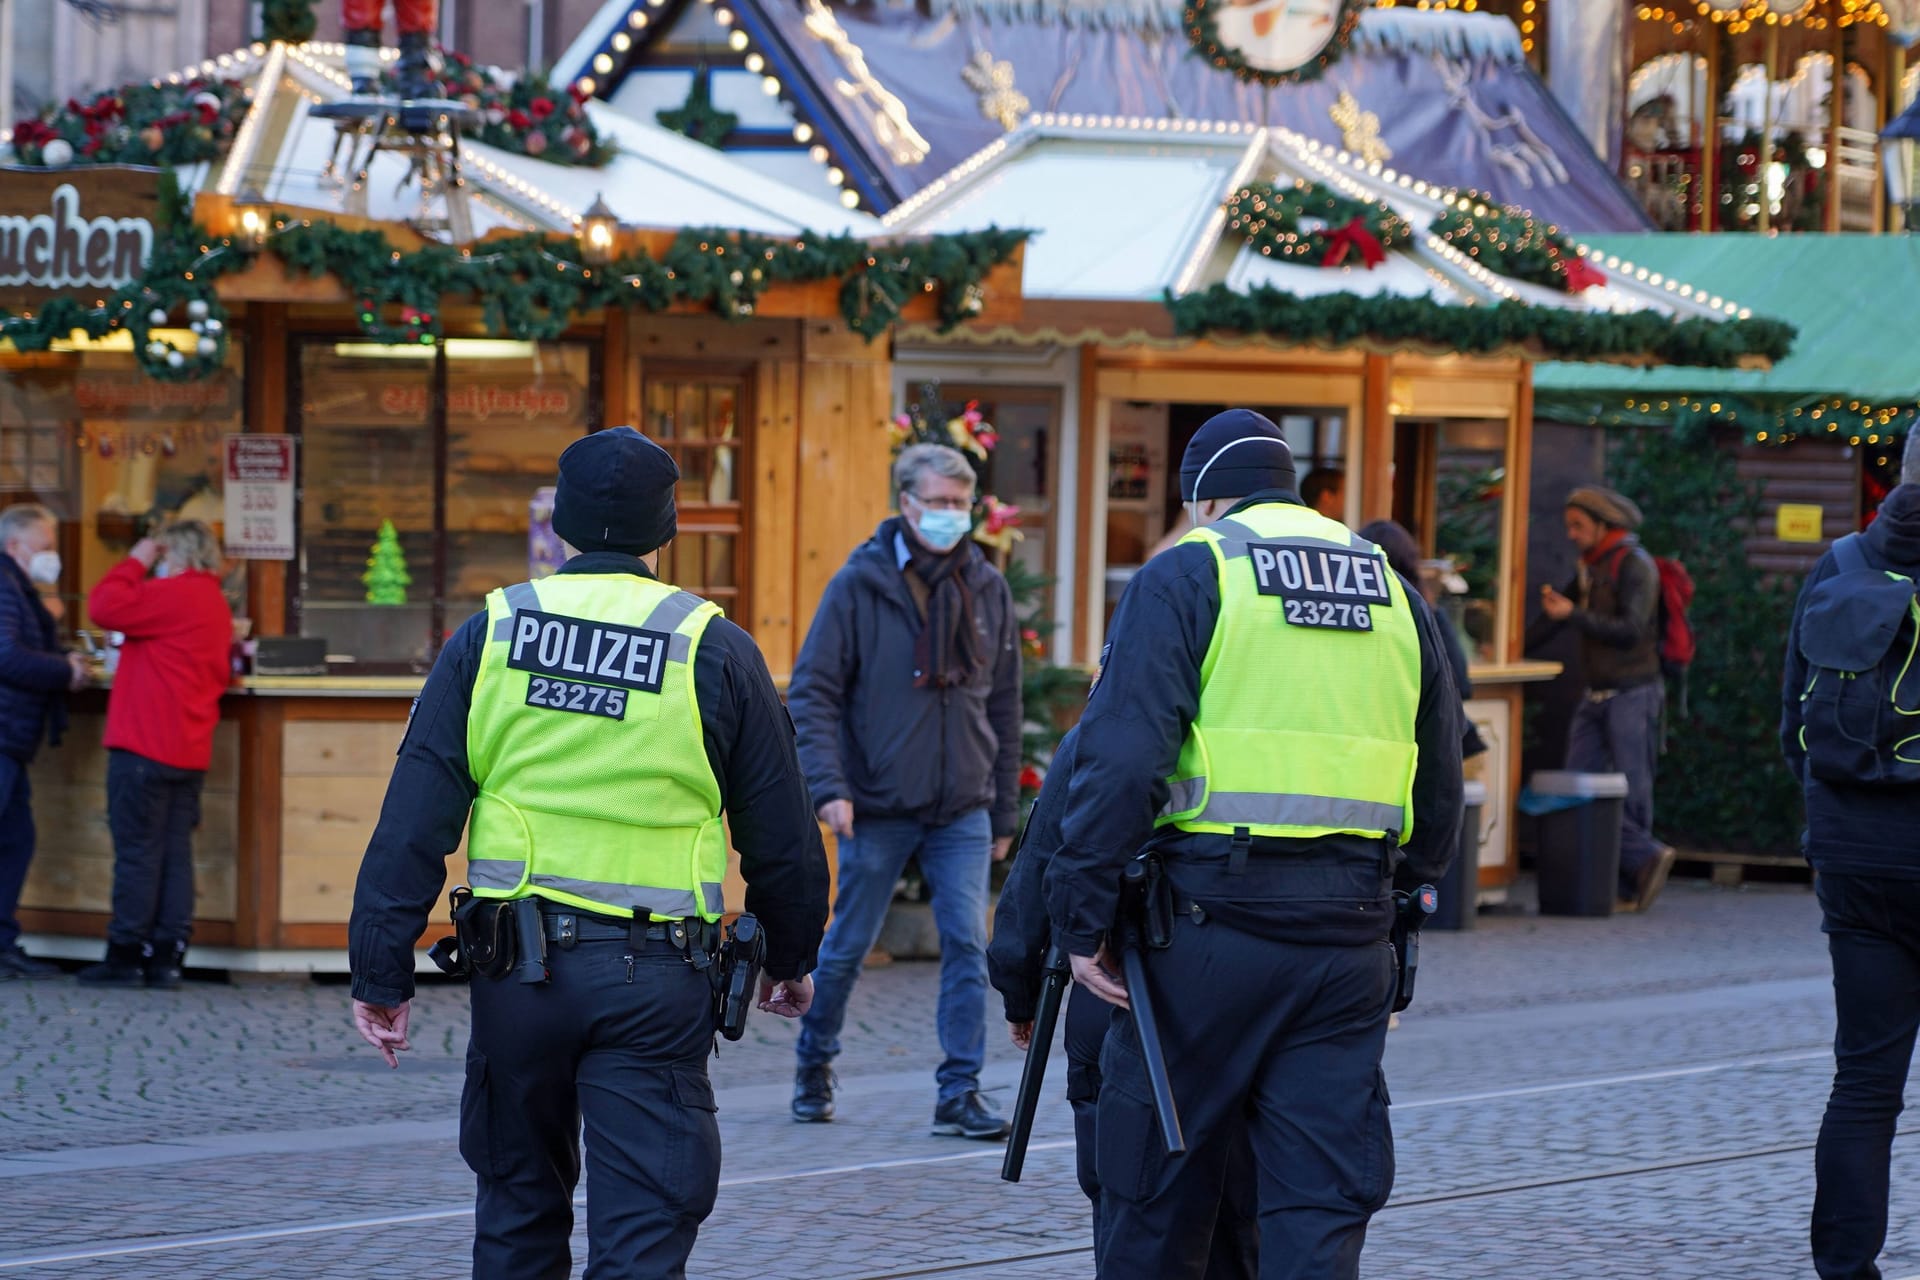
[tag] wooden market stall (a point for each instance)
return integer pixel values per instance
(1352, 304)
(411, 392)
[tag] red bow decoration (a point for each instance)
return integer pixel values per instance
(1580, 276)
(1354, 236)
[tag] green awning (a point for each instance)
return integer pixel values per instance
(1854, 298)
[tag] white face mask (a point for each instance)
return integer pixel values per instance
(44, 567)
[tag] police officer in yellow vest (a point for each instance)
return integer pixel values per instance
(1275, 720)
(595, 724)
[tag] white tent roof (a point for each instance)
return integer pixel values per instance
(657, 178)
(1129, 210)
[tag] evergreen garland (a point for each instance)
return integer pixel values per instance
(1511, 242)
(1204, 34)
(287, 21)
(1340, 319)
(1312, 223)
(530, 287)
(139, 123)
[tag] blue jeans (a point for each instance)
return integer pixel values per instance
(16, 845)
(955, 859)
(1622, 735)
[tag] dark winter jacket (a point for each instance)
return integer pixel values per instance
(34, 675)
(1020, 927)
(869, 736)
(1617, 613)
(1856, 830)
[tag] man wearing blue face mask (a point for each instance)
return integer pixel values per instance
(906, 698)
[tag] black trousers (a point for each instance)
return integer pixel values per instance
(1269, 1043)
(1234, 1247)
(152, 810)
(16, 845)
(1873, 934)
(622, 1046)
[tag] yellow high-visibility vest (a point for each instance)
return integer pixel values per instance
(585, 741)
(1309, 690)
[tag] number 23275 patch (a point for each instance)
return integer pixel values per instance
(1322, 586)
(572, 695)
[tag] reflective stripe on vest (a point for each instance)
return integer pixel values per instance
(614, 813)
(1303, 730)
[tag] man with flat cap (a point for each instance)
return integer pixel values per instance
(595, 725)
(1614, 604)
(1275, 723)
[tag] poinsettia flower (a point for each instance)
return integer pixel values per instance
(1030, 778)
(1000, 515)
(518, 119)
(540, 109)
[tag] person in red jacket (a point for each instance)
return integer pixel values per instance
(173, 668)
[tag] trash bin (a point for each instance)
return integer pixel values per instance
(1459, 889)
(1579, 856)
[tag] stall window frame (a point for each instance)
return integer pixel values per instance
(700, 519)
(437, 424)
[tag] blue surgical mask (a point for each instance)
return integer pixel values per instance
(942, 530)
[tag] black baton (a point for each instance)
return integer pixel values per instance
(1146, 1027)
(1054, 976)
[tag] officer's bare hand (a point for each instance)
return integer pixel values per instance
(838, 815)
(789, 998)
(1022, 1033)
(1555, 605)
(1001, 846)
(383, 1028)
(1096, 974)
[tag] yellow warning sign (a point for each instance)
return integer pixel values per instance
(1798, 522)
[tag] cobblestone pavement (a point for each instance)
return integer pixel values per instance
(1634, 1097)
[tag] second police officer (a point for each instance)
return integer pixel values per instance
(595, 724)
(1276, 720)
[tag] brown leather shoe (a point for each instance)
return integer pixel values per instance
(1655, 877)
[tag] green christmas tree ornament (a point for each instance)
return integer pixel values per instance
(386, 577)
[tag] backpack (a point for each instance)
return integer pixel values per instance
(1860, 711)
(1676, 632)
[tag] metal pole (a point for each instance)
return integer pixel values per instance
(1896, 74)
(536, 33)
(1836, 118)
(6, 64)
(1766, 129)
(1708, 189)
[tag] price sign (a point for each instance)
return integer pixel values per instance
(260, 497)
(1798, 522)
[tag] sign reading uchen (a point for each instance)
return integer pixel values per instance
(75, 229)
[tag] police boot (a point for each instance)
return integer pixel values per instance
(163, 966)
(123, 967)
(419, 64)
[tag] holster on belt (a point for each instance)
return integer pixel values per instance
(483, 937)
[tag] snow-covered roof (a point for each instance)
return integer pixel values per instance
(656, 179)
(1133, 210)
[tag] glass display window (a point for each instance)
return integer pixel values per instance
(454, 446)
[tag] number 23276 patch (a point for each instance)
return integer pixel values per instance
(1321, 586)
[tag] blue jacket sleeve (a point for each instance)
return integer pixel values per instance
(23, 663)
(1147, 694)
(420, 824)
(817, 694)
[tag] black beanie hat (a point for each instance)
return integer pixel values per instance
(616, 493)
(1240, 453)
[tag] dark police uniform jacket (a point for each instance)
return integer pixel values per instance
(749, 742)
(1330, 890)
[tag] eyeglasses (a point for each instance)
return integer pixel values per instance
(942, 504)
